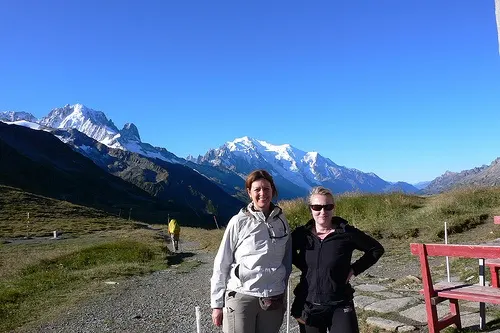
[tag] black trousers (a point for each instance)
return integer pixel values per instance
(339, 319)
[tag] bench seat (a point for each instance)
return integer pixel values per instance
(469, 292)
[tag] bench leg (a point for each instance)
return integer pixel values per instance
(432, 318)
(494, 276)
(435, 324)
(455, 311)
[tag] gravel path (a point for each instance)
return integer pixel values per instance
(161, 302)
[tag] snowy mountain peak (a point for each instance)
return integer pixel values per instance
(241, 144)
(130, 132)
(75, 116)
(11, 116)
(295, 169)
(88, 121)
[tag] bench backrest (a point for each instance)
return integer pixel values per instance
(454, 250)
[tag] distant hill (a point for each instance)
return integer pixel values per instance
(38, 162)
(421, 185)
(483, 176)
(174, 183)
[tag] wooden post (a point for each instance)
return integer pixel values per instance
(216, 224)
(28, 226)
(482, 309)
(129, 214)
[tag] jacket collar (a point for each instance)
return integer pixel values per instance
(250, 211)
(337, 223)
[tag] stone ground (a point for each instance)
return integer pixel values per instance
(397, 306)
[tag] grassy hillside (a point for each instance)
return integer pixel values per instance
(96, 246)
(47, 215)
(404, 216)
(40, 276)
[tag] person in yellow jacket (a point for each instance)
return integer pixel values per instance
(174, 230)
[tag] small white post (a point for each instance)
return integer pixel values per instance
(288, 307)
(216, 224)
(198, 319)
(28, 226)
(447, 259)
(55, 234)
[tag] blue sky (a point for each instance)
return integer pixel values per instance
(405, 89)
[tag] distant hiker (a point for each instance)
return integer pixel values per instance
(174, 230)
(253, 264)
(322, 250)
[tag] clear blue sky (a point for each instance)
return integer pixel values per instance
(405, 89)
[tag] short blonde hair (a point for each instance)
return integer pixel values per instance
(320, 190)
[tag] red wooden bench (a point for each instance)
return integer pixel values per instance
(452, 291)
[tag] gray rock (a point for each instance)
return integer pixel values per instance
(362, 301)
(371, 287)
(419, 314)
(470, 320)
(391, 305)
(388, 294)
(388, 325)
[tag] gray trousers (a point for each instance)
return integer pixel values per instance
(243, 314)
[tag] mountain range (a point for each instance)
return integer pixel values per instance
(214, 183)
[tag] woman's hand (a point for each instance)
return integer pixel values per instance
(300, 320)
(349, 276)
(217, 317)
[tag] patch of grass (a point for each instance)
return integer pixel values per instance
(56, 277)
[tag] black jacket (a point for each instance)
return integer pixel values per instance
(325, 263)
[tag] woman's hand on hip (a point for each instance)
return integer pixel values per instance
(350, 275)
(217, 317)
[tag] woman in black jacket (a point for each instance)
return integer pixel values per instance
(322, 250)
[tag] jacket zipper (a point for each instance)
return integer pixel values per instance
(318, 262)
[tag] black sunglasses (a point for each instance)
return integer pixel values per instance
(320, 207)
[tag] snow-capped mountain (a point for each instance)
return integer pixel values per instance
(293, 169)
(97, 126)
(12, 116)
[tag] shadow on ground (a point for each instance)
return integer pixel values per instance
(178, 258)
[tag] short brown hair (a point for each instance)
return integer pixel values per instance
(320, 190)
(260, 174)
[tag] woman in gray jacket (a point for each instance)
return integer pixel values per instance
(253, 264)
